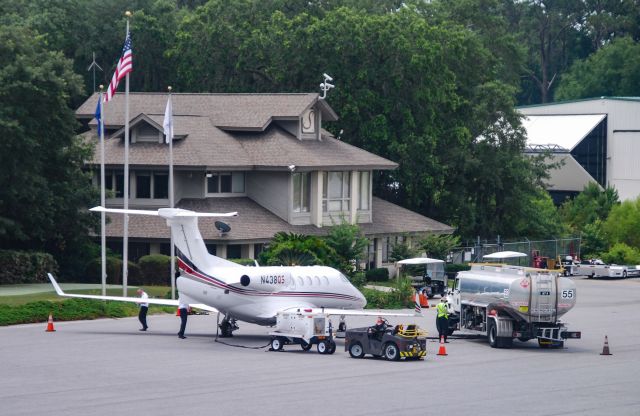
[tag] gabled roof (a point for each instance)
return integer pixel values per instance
(255, 223)
(227, 131)
(250, 112)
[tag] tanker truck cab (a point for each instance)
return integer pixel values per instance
(505, 302)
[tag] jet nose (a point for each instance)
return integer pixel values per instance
(362, 301)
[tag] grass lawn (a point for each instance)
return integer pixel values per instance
(152, 291)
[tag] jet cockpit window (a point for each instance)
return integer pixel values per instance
(300, 281)
(325, 280)
(316, 280)
(308, 279)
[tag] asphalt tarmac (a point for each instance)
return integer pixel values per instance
(108, 367)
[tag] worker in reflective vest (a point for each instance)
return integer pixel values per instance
(442, 319)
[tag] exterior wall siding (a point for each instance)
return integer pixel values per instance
(271, 190)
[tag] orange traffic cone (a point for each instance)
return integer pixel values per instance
(50, 324)
(605, 348)
(442, 350)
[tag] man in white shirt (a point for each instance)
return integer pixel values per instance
(144, 307)
(183, 308)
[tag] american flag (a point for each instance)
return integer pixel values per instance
(125, 65)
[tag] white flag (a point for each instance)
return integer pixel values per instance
(168, 121)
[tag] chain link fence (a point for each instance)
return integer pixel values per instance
(544, 248)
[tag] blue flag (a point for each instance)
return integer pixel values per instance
(98, 115)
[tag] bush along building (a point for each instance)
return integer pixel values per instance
(265, 156)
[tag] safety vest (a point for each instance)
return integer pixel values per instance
(442, 310)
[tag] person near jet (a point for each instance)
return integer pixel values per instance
(378, 329)
(144, 307)
(184, 313)
(442, 319)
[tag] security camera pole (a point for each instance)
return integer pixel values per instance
(325, 86)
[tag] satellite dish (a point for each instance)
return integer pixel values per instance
(222, 227)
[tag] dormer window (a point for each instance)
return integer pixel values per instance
(309, 127)
(144, 132)
(309, 121)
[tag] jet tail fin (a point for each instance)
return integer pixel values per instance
(185, 232)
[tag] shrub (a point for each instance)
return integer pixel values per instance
(621, 253)
(93, 268)
(25, 267)
(398, 298)
(114, 271)
(453, 268)
(244, 262)
(69, 310)
(358, 279)
(155, 270)
(377, 275)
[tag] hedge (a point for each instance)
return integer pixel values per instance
(155, 270)
(377, 275)
(68, 310)
(25, 267)
(114, 271)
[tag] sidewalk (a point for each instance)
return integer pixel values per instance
(380, 288)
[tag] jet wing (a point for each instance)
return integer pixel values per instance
(361, 312)
(154, 301)
(346, 312)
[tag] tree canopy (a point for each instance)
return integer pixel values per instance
(429, 85)
(41, 181)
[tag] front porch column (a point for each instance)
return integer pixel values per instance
(355, 193)
(378, 254)
(221, 250)
(316, 198)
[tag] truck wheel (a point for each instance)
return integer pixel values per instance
(323, 347)
(391, 352)
(306, 346)
(624, 274)
(356, 350)
(493, 334)
(332, 347)
(505, 342)
(276, 344)
(566, 273)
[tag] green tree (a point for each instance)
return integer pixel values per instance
(588, 206)
(623, 224)
(348, 244)
(540, 218)
(402, 251)
(290, 249)
(439, 246)
(612, 71)
(43, 190)
(620, 253)
(593, 241)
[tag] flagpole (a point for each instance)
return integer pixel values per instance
(171, 202)
(125, 238)
(103, 222)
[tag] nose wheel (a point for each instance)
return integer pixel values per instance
(227, 326)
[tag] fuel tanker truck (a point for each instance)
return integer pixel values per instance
(504, 302)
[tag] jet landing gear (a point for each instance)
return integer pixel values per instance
(227, 326)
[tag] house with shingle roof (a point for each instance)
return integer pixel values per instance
(265, 156)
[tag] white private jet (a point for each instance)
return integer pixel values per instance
(245, 293)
